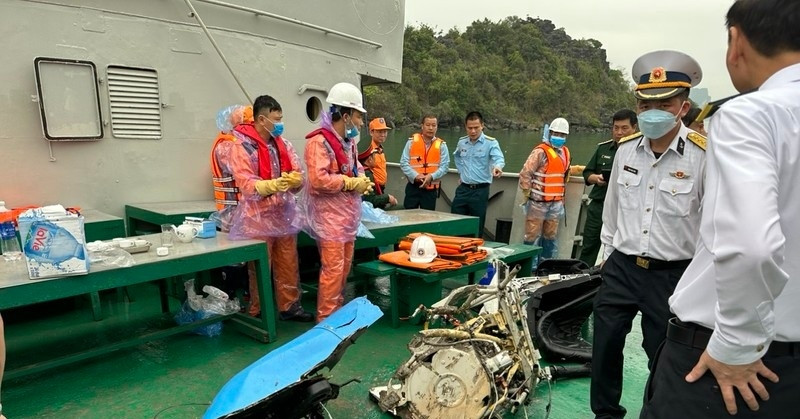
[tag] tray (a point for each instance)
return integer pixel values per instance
(137, 249)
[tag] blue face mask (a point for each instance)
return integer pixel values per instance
(656, 123)
(277, 129)
(351, 132)
(557, 142)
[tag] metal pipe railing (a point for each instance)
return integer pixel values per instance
(219, 51)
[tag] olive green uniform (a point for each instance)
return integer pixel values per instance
(378, 200)
(602, 159)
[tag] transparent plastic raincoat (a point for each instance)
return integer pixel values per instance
(224, 187)
(541, 217)
(332, 215)
(274, 218)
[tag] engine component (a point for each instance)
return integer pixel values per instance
(478, 360)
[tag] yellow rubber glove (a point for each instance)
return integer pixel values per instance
(526, 193)
(365, 186)
(350, 183)
(295, 179)
(271, 186)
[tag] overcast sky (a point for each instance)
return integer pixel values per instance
(626, 28)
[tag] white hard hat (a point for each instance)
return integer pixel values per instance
(559, 125)
(345, 94)
(423, 250)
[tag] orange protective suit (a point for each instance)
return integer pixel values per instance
(225, 190)
(274, 218)
(332, 217)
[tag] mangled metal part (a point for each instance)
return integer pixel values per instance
(476, 358)
(479, 364)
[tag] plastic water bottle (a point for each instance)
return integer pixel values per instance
(50, 243)
(8, 235)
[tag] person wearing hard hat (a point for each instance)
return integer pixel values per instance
(267, 172)
(651, 217)
(543, 181)
(424, 162)
(596, 173)
(478, 158)
(336, 183)
(733, 348)
(370, 159)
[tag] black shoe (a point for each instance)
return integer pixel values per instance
(296, 314)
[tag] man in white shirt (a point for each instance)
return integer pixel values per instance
(738, 303)
(650, 220)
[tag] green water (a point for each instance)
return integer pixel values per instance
(516, 145)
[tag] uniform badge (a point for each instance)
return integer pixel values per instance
(681, 146)
(658, 75)
(631, 170)
(679, 175)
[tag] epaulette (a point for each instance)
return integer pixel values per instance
(466, 137)
(634, 136)
(489, 138)
(605, 142)
(697, 139)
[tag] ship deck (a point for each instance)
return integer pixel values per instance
(177, 377)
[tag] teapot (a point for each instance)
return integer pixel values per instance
(185, 232)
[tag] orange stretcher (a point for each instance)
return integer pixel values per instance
(467, 257)
(460, 249)
(401, 258)
(454, 242)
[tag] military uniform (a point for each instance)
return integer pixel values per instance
(651, 219)
(601, 161)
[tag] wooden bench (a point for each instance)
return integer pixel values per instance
(408, 288)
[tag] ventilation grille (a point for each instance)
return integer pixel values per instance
(135, 104)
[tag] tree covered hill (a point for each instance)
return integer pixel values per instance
(518, 72)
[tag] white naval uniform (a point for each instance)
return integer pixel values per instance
(744, 281)
(652, 207)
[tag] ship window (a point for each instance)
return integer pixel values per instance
(135, 104)
(313, 108)
(69, 102)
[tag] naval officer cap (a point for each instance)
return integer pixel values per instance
(664, 74)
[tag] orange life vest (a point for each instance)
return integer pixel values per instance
(552, 177)
(379, 171)
(225, 191)
(423, 161)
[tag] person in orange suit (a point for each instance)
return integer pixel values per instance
(267, 173)
(226, 194)
(336, 183)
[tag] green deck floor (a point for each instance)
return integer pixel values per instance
(183, 373)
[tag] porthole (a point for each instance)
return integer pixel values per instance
(313, 108)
